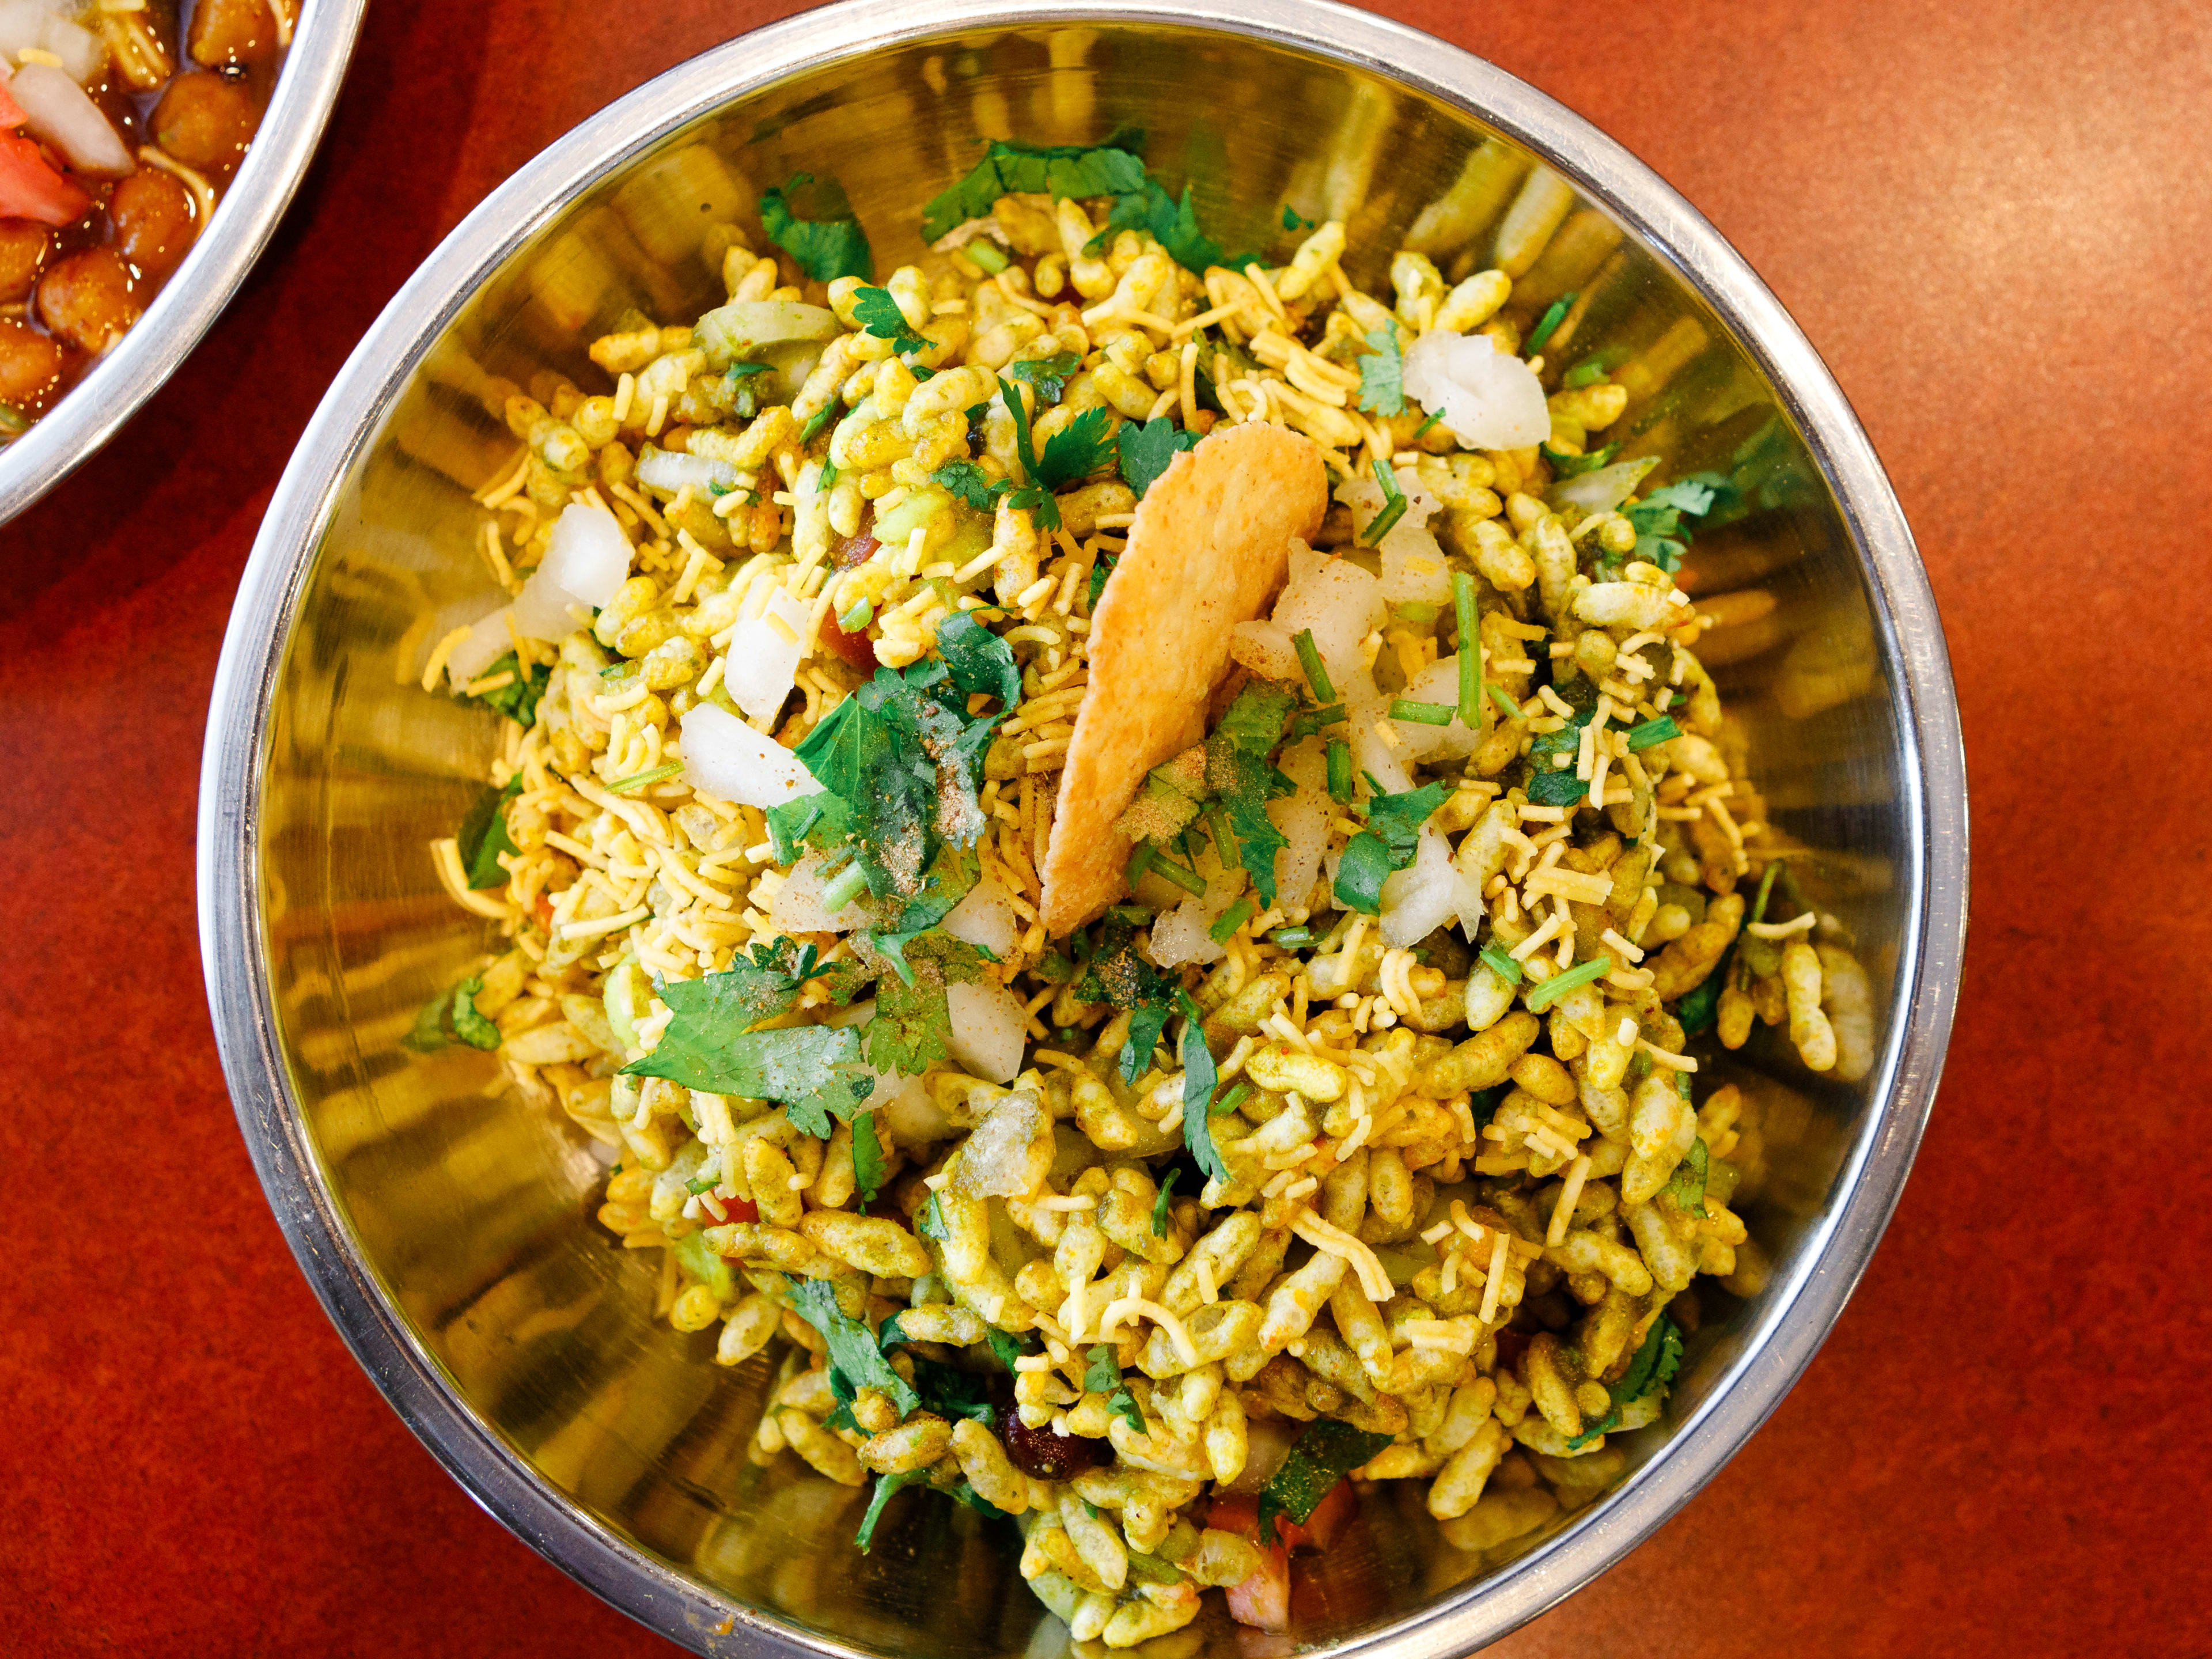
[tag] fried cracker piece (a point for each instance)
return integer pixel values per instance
(1209, 549)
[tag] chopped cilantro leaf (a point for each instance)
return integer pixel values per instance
(1102, 1373)
(1145, 452)
(1160, 1204)
(869, 1164)
(1244, 780)
(483, 836)
(886, 1486)
(1124, 1406)
(967, 481)
(1687, 1185)
(879, 313)
(828, 242)
(1551, 786)
(1114, 169)
(1004, 1344)
(815, 422)
(1323, 1456)
(912, 1025)
(1398, 818)
(1653, 1367)
(1699, 1007)
(852, 1345)
(1049, 376)
(980, 659)
(517, 698)
(1360, 874)
(900, 761)
(1661, 535)
(1294, 220)
(1383, 375)
(1200, 1077)
(931, 1223)
(1099, 573)
(813, 1070)
(1076, 450)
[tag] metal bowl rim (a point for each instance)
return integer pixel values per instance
(94, 410)
(1932, 781)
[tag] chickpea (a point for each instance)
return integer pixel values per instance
(206, 120)
(90, 298)
(30, 366)
(23, 246)
(154, 216)
(233, 31)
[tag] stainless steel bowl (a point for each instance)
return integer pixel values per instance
(447, 1227)
(109, 393)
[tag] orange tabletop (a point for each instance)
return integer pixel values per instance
(1992, 219)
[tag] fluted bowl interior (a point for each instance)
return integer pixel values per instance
(449, 1224)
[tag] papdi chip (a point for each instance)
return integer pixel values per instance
(1209, 548)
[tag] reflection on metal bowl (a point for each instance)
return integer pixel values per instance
(447, 1225)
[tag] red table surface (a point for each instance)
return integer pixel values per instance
(1991, 219)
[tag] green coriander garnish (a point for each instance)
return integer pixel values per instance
(1324, 689)
(1543, 996)
(1552, 320)
(640, 780)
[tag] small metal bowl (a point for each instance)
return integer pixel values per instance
(448, 1227)
(95, 408)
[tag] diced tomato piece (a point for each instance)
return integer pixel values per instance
(857, 650)
(1263, 1601)
(1239, 1512)
(733, 1209)
(29, 189)
(11, 112)
(1322, 1526)
(1511, 1345)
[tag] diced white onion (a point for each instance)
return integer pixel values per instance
(486, 644)
(762, 659)
(725, 757)
(1424, 895)
(32, 24)
(1604, 489)
(666, 472)
(587, 560)
(1488, 400)
(988, 1029)
(61, 114)
(1302, 818)
(1438, 683)
(904, 1112)
(1338, 600)
(986, 917)
(798, 908)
